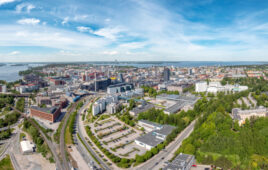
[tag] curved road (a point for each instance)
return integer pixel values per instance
(50, 145)
(103, 164)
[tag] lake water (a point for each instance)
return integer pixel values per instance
(10, 72)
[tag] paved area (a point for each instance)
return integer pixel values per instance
(165, 155)
(82, 164)
(117, 137)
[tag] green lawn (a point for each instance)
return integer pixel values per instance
(6, 164)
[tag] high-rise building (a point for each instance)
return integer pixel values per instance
(166, 74)
(120, 78)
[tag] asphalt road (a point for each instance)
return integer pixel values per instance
(50, 145)
(103, 164)
(159, 158)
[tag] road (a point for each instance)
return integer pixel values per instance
(12, 126)
(103, 164)
(62, 132)
(80, 147)
(157, 161)
(49, 143)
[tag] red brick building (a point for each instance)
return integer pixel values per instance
(50, 114)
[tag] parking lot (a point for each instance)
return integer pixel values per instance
(117, 137)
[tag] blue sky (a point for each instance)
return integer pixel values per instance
(129, 30)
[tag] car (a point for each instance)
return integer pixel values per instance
(207, 168)
(194, 165)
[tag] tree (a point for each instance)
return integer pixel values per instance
(223, 162)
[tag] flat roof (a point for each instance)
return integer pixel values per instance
(180, 162)
(149, 139)
(176, 97)
(166, 130)
(50, 110)
(119, 84)
(151, 123)
(138, 110)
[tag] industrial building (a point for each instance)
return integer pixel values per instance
(156, 134)
(181, 162)
(141, 108)
(50, 114)
(181, 102)
(27, 147)
(149, 126)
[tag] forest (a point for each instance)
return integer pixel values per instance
(220, 141)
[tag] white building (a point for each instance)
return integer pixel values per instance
(201, 87)
(149, 126)
(112, 108)
(27, 147)
(3, 88)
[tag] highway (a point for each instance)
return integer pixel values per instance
(157, 161)
(103, 164)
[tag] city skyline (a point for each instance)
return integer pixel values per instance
(36, 31)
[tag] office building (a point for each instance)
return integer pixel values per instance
(50, 114)
(119, 88)
(201, 87)
(121, 78)
(166, 74)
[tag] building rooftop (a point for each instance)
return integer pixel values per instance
(165, 130)
(180, 162)
(149, 139)
(143, 108)
(50, 110)
(177, 97)
(151, 123)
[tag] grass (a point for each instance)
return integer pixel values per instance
(6, 163)
(22, 135)
(67, 134)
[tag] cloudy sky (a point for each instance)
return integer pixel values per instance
(129, 30)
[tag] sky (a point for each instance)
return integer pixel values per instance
(133, 30)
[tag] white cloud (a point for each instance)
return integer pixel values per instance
(133, 45)
(14, 53)
(65, 21)
(45, 36)
(6, 1)
(84, 29)
(110, 52)
(29, 21)
(24, 6)
(109, 33)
